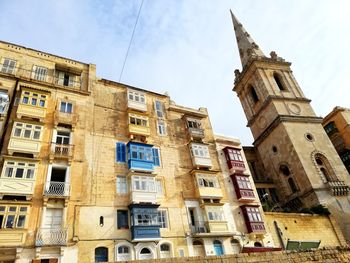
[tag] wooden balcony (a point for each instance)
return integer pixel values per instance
(139, 130)
(137, 105)
(236, 166)
(51, 237)
(218, 226)
(201, 162)
(34, 112)
(210, 192)
(57, 189)
(196, 133)
(19, 187)
(12, 237)
(61, 151)
(65, 118)
(137, 197)
(210, 228)
(24, 146)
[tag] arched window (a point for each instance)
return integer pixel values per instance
(145, 251)
(325, 168)
(124, 253)
(218, 248)
(278, 81)
(101, 254)
(284, 169)
(253, 94)
(197, 243)
(101, 221)
(292, 185)
(257, 244)
(164, 247)
(236, 246)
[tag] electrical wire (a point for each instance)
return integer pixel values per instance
(130, 42)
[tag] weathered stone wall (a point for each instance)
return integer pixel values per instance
(329, 254)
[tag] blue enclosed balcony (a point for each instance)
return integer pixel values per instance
(140, 156)
(144, 222)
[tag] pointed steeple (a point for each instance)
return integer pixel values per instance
(246, 45)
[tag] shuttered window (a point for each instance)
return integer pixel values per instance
(120, 152)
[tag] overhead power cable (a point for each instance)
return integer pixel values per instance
(131, 39)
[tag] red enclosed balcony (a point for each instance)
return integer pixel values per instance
(234, 159)
(243, 187)
(253, 219)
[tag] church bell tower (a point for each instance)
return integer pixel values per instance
(289, 137)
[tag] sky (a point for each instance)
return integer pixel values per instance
(187, 48)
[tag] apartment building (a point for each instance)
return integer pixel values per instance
(93, 170)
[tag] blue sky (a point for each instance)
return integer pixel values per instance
(187, 48)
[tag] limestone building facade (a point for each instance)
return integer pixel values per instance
(337, 127)
(288, 136)
(94, 170)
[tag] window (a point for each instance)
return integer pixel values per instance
(164, 247)
(215, 214)
(122, 186)
(65, 79)
(141, 152)
(200, 150)
(234, 155)
(324, 167)
(156, 156)
(161, 127)
(243, 182)
(159, 109)
(159, 187)
(284, 170)
(39, 73)
(101, 254)
(143, 183)
(253, 95)
(27, 131)
(8, 66)
(145, 217)
(123, 250)
(33, 99)
(138, 120)
(292, 185)
(163, 218)
(278, 81)
(18, 170)
(122, 219)
(192, 123)
(136, 97)
(12, 216)
(207, 181)
(66, 107)
(253, 214)
(145, 251)
(4, 101)
(120, 152)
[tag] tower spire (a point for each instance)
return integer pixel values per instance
(247, 47)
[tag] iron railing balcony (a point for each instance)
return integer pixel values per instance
(196, 133)
(199, 227)
(51, 237)
(61, 150)
(338, 188)
(50, 77)
(57, 189)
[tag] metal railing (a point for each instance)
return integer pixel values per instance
(56, 189)
(62, 150)
(50, 76)
(51, 236)
(199, 227)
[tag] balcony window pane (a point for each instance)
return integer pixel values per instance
(42, 103)
(21, 221)
(27, 133)
(36, 135)
(30, 174)
(8, 172)
(12, 208)
(10, 221)
(19, 173)
(69, 108)
(2, 208)
(23, 209)
(34, 101)
(25, 100)
(17, 132)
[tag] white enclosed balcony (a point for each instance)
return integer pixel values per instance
(200, 155)
(143, 189)
(143, 197)
(136, 100)
(12, 186)
(57, 189)
(51, 237)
